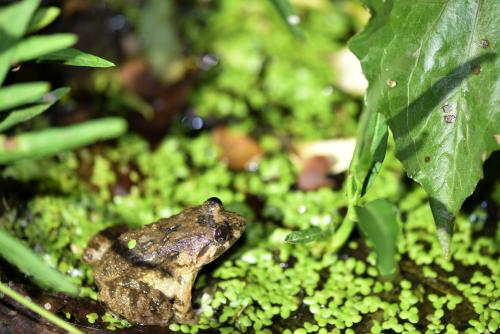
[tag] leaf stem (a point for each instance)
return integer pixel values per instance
(39, 310)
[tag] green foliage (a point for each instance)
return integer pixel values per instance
(21, 102)
(42, 18)
(17, 94)
(34, 47)
(434, 81)
(37, 309)
(282, 82)
(302, 210)
(158, 33)
(304, 236)
(14, 21)
(379, 223)
(50, 141)
(369, 153)
(74, 57)
(23, 114)
(23, 257)
(288, 15)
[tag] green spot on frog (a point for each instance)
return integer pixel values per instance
(131, 244)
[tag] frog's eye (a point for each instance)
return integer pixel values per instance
(213, 201)
(221, 234)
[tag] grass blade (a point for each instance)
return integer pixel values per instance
(37, 46)
(22, 115)
(42, 18)
(20, 255)
(55, 140)
(75, 57)
(14, 20)
(39, 310)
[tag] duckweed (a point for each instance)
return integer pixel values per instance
(265, 285)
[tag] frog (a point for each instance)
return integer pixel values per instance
(146, 275)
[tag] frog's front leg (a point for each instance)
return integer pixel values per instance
(182, 302)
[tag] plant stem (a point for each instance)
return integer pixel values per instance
(342, 234)
(39, 310)
(344, 231)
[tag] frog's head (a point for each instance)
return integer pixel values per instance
(225, 227)
(189, 240)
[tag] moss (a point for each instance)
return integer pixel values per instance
(103, 176)
(284, 84)
(58, 176)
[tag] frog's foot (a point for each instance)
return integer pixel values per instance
(189, 318)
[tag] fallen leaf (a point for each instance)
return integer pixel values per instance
(314, 173)
(338, 151)
(238, 150)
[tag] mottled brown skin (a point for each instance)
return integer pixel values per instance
(151, 283)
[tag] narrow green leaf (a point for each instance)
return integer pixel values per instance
(310, 234)
(39, 310)
(436, 82)
(42, 18)
(21, 115)
(37, 46)
(17, 253)
(287, 13)
(369, 154)
(75, 57)
(14, 20)
(378, 220)
(15, 95)
(55, 140)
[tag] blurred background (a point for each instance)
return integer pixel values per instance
(200, 64)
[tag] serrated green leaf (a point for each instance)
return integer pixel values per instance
(42, 18)
(21, 115)
(287, 13)
(17, 253)
(54, 140)
(76, 57)
(18, 94)
(433, 72)
(14, 20)
(38, 46)
(378, 220)
(310, 234)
